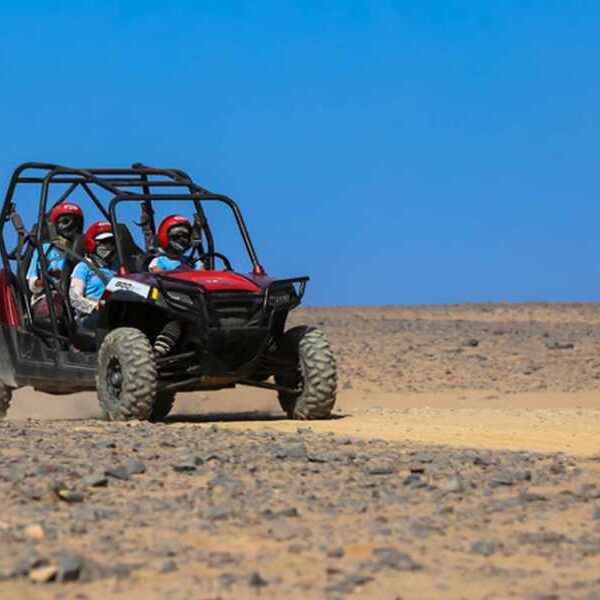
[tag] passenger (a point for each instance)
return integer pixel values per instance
(86, 286)
(174, 239)
(68, 220)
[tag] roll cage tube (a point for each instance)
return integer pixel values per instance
(197, 199)
(113, 180)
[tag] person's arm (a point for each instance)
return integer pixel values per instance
(33, 281)
(77, 291)
(78, 299)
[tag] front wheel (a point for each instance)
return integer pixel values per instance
(5, 398)
(313, 376)
(126, 375)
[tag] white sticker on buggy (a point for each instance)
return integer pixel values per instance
(118, 284)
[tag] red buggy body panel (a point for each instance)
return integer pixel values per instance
(218, 281)
(9, 315)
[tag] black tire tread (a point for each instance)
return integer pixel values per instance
(136, 356)
(316, 373)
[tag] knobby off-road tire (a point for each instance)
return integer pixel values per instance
(126, 375)
(315, 374)
(163, 404)
(5, 398)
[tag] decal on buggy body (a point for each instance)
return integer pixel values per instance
(117, 284)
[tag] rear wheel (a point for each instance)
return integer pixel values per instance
(163, 405)
(314, 376)
(5, 398)
(126, 375)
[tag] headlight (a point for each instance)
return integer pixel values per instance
(278, 299)
(180, 298)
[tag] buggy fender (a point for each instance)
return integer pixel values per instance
(127, 308)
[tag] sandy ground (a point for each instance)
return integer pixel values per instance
(516, 385)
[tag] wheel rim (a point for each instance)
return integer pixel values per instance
(114, 380)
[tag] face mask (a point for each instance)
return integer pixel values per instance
(68, 226)
(105, 250)
(180, 239)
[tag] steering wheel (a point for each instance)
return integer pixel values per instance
(208, 255)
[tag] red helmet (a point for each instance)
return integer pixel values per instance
(92, 233)
(166, 225)
(65, 208)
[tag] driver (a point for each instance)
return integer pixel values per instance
(68, 220)
(174, 239)
(87, 287)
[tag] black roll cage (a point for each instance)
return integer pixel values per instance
(122, 183)
(126, 184)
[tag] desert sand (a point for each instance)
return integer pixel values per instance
(463, 461)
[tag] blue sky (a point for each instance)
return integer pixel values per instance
(396, 151)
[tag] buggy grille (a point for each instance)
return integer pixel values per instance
(241, 309)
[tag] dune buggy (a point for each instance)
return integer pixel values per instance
(157, 333)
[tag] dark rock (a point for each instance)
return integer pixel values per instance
(382, 469)
(291, 452)
(186, 466)
(412, 479)
(483, 547)
(119, 472)
(281, 531)
(32, 492)
(318, 457)
(470, 343)
(554, 345)
(416, 468)
(105, 444)
(597, 512)
(221, 559)
(168, 567)
(70, 496)
(168, 548)
(135, 466)
(542, 537)
(506, 477)
(336, 552)
(527, 497)
(348, 584)
(423, 457)
(218, 512)
(257, 581)
(211, 456)
(95, 479)
(69, 568)
(394, 559)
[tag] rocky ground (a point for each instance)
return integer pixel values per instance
(506, 348)
(399, 501)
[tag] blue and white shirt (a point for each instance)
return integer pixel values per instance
(94, 286)
(165, 263)
(54, 258)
